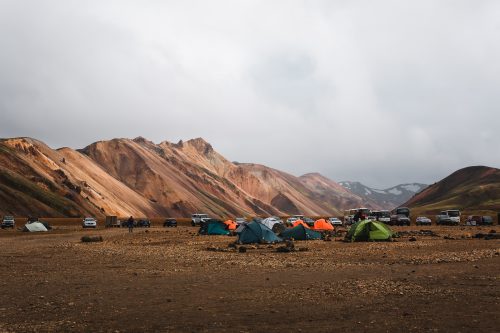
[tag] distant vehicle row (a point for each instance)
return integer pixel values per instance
(401, 216)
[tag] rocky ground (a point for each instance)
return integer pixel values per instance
(172, 280)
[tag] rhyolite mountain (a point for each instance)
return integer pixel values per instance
(471, 189)
(138, 177)
(388, 198)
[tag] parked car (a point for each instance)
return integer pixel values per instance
(361, 213)
(382, 216)
(473, 220)
(334, 221)
(349, 215)
(450, 217)
(240, 220)
(124, 223)
(423, 220)
(8, 222)
(170, 223)
(196, 219)
(89, 222)
(399, 219)
(486, 220)
(403, 211)
(479, 220)
(309, 221)
(290, 221)
(278, 219)
(143, 223)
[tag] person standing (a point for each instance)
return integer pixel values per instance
(130, 224)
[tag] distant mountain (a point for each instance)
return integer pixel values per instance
(335, 194)
(389, 198)
(475, 188)
(138, 177)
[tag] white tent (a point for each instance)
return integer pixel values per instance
(269, 222)
(34, 227)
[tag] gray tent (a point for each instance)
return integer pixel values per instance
(34, 227)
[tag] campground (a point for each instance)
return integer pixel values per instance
(174, 280)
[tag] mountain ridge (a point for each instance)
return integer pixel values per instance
(136, 176)
(387, 198)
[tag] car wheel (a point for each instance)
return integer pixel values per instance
(193, 224)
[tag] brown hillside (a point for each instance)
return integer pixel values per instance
(138, 177)
(472, 188)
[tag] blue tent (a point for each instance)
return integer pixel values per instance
(255, 232)
(213, 227)
(300, 233)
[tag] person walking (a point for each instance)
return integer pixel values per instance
(130, 224)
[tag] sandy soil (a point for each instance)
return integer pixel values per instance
(166, 280)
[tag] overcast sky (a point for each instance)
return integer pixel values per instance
(383, 92)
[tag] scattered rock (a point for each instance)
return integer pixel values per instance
(412, 239)
(283, 249)
(89, 239)
(242, 249)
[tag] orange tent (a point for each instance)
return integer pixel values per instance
(322, 225)
(231, 225)
(298, 222)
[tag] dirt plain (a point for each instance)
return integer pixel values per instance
(172, 280)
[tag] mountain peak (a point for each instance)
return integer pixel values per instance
(200, 145)
(141, 139)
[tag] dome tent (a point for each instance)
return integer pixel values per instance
(300, 233)
(213, 227)
(322, 225)
(366, 230)
(255, 232)
(269, 222)
(231, 225)
(300, 222)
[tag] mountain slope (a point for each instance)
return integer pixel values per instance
(472, 188)
(388, 198)
(138, 177)
(191, 176)
(334, 194)
(36, 180)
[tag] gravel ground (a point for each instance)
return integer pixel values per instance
(173, 280)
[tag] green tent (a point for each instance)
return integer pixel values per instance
(255, 232)
(213, 227)
(367, 230)
(300, 233)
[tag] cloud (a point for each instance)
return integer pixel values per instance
(381, 92)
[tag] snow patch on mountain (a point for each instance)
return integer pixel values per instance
(388, 198)
(412, 187)
(395, 191)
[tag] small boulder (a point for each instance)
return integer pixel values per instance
(90, 239)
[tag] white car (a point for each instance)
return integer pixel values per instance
(197, 219)
(89, 222)
(334, 221)
(240, 220)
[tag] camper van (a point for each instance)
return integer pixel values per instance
(348, 216)
(451, 216)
